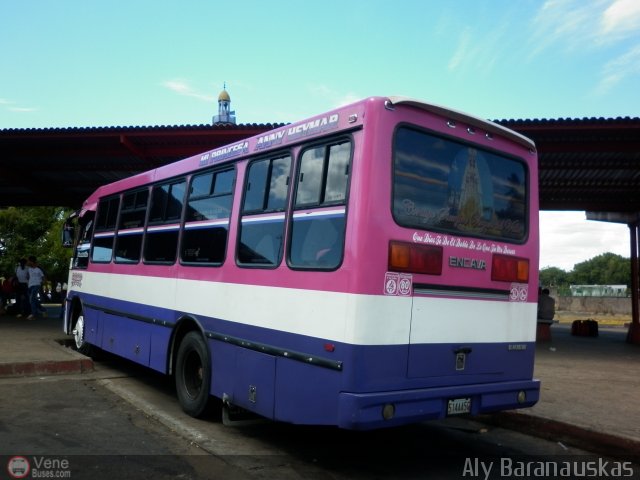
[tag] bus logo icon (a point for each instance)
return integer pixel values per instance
(391, 283)
(397, 284)
(405, 285)
(18, 467)
(519, 292)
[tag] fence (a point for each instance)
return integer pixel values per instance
(595, 305)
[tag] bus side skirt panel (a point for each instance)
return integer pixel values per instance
(306, 393)
(244, 378)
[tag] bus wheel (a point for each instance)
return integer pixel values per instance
(78, 336)
(193, 374)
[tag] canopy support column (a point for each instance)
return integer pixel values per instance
(633, 336)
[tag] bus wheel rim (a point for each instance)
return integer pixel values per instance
(78, 332)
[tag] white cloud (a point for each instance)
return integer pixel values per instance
(22, 109)
(462, 50)
(177, 86)
(336, 99)
(347, 99)
(571, 23)
(622, 17)
(478, 51)
(321, 90)
(618, 69)
(11, 106)
(598, 25)
(182, 87)
(567, 238)
(576, 24)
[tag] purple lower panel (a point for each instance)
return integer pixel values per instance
(127, 329)
(460, 363)
(374, 368)
(306, 393)
(127, 338)
(92, 327)
(160, 338)
(364, 410)
(255, 370)
(243, 377)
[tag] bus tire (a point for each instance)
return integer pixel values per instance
(79, 336)
(193, 375)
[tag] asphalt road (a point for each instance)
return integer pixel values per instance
(124, 422)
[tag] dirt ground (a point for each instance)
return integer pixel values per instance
(563, 316)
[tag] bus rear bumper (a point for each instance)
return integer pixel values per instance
(363, 411)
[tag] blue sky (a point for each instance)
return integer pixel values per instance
(83, 63)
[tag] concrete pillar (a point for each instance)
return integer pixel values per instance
(633, 336)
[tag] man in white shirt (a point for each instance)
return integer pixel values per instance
(22, 290)
(36, 279)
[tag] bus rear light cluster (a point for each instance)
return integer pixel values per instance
(412, 258)
(509, 269)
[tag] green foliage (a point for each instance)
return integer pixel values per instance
(605, 269)
(553, 277)
(26, 231)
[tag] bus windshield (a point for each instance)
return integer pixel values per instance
(444, 185)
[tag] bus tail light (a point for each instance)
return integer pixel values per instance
(412, 258)
(509, 269)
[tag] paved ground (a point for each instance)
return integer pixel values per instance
(591, 382)
(590, 386)
(590, 390)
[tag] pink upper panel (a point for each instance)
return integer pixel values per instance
(370, 225)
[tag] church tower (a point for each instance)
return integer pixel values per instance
(225, 114)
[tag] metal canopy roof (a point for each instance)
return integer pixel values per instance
(64, 166)
(585, 164)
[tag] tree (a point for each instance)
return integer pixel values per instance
(553, 277)
(26, 231)
(604, 269)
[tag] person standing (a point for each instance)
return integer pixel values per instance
(22, 289)
(36, 279)
(3, 294)
(546, 306)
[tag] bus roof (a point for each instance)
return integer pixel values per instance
(464, 117)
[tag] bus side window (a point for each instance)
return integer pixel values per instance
(317, 242)
(262, 222)
(102, 248)
(163, 229)
(83, 247)
(317, 234)
(131, 226)
(206, 227)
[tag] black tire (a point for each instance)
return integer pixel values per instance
(193, 375)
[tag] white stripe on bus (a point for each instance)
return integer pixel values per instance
(342, 317)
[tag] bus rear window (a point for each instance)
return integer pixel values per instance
(444, 185)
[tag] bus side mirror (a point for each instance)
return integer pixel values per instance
(68, 234)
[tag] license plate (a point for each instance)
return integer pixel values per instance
(458, 406)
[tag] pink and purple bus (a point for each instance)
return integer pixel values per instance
(369, 267)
